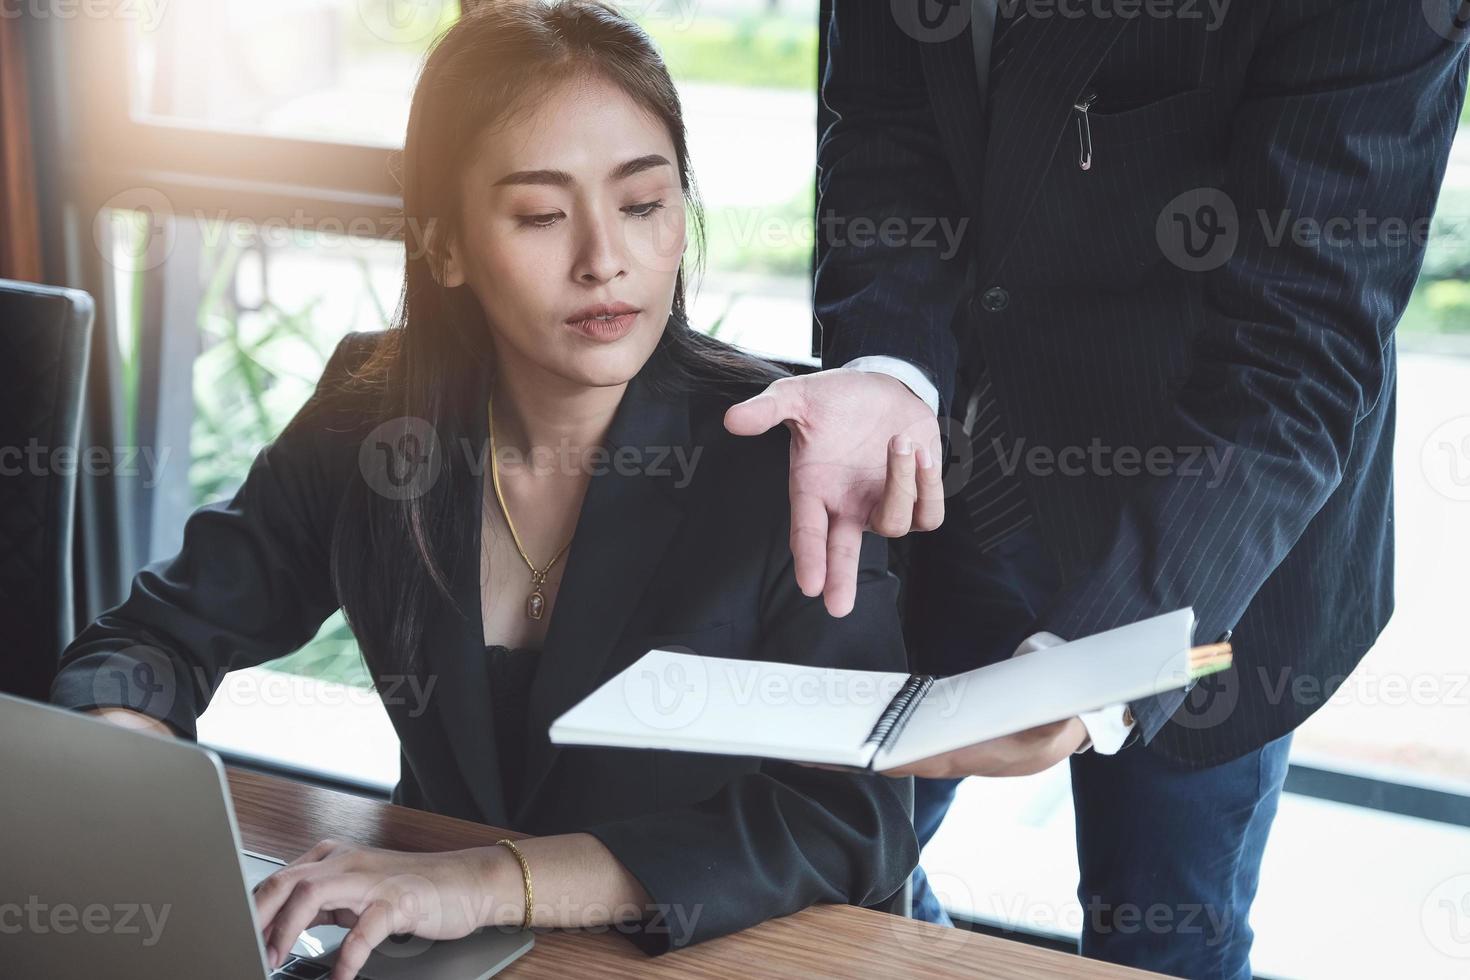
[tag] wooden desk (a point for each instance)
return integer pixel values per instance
(283, 818)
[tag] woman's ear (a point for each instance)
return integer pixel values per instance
(453, 267)
(444, 258)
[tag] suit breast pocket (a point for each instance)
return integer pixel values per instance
(1116, 122)
(1122, 162)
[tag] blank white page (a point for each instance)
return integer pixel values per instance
(672, 700)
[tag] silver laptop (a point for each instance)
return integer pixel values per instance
(119, 857)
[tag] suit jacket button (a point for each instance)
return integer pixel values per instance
(995, 300)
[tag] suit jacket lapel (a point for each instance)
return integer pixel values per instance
(627, 521)
(1048, 67)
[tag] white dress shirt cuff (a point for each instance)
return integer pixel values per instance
(911, 375)
(1107, 728)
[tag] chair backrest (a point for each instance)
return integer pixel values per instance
(45, 336)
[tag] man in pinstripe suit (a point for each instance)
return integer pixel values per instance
(1164, 361)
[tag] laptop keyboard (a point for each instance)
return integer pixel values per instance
(297, 968)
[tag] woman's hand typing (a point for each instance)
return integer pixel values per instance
(376, 893)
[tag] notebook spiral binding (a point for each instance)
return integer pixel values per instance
(896, 715)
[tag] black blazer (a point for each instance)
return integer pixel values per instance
(720, 843)
(1280, 362)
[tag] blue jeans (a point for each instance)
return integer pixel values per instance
(1169, 857)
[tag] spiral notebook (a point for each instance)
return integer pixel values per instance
(677, 700)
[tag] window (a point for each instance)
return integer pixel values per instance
(747, 73)
(339, 70)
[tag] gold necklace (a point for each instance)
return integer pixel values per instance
(536, 601)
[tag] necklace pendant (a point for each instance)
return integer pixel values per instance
(536, 604)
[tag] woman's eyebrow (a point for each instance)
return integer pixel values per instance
(560, 178)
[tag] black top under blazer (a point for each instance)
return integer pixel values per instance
(719, 842)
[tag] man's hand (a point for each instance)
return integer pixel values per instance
(864, 456)
(1022, 754)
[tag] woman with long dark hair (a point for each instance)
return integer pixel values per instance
(512, 494)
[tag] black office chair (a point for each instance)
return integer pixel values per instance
(45, 337)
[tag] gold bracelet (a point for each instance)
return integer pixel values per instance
(510, 845)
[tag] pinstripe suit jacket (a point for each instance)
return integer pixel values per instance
(1203, 403)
